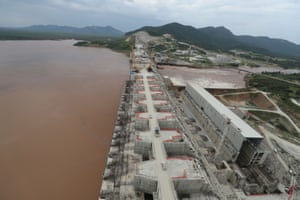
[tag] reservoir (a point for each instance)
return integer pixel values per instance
(58, 106)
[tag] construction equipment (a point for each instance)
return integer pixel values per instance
(291, 192)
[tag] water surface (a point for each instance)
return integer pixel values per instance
(58, 106)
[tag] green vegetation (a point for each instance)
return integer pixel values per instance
(158, 47)
(190, 35)
(281, 90)
(123, 45)
(167, 45)
(286, 63)
(283, 62)
(205, 62)
(266, 116)
(222, 40)
(281, 123)
(295, 78)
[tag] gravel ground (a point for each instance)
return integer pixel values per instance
(208, 78)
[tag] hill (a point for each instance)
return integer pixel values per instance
(222, 39)
(89, 30)
(58, 32)
(279, 47)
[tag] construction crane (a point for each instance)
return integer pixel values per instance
(291, 192)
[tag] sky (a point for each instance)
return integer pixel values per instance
(273, 18)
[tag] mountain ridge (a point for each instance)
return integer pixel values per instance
(56, 29)
(221, 38)
(91, 30)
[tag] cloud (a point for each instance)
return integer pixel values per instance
(276, 18)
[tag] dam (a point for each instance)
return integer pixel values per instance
(157, 152)
(150, 155)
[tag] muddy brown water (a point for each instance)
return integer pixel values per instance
(58, 106)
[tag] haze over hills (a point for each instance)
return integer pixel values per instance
(220, 38)
(59, 32)
(90, 30)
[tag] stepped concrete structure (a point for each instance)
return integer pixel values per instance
(154, 157)
(156, 152)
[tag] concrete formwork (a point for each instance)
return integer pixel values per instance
(178, 148)
(224, 173)
(253, 188)
(153, 82)
(138, 88)
(138, 77)
(140, 81)
(189, 186)
(163, 108)
(141, 108)
(151, 77)
(145, 184)
(142, 147)
(158, 96)
(142, 124)
(156, 88)
(168, 124)
(157, 92)
(138, 97)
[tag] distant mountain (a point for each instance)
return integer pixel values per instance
(220, 31)
(180, 32)
(220, 38)
(89, 30)
(276, 46)
(41, 32)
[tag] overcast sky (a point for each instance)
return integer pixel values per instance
(274, 18)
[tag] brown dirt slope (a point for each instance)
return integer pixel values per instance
(256, 100)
